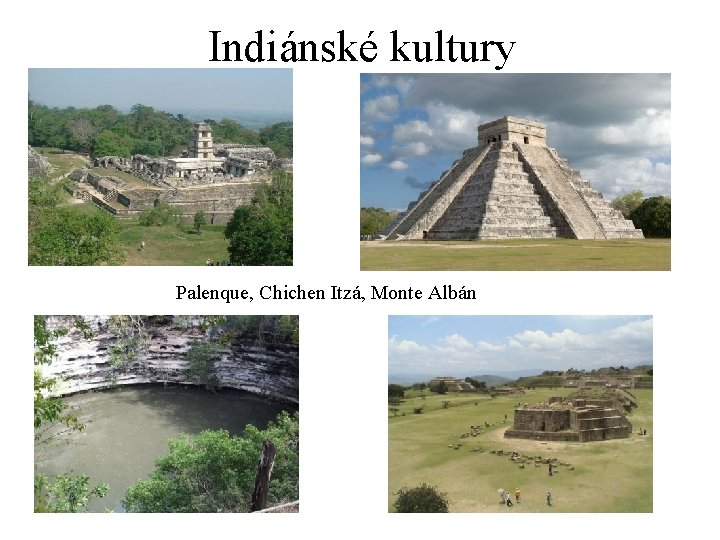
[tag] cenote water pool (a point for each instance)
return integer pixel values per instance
(128, 428)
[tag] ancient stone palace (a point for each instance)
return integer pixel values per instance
(214, 178)
(575, 419)
(511, 185)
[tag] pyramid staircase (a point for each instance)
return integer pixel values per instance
(509, 190)
(499, 201)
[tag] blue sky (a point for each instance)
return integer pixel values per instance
(461, 346)
(267, 90)
(615, 128)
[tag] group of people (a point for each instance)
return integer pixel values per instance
(506, 497)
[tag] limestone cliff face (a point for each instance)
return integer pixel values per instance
(84, 364)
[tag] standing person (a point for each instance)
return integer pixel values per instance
(517, 495)
(508, 501)
(549, 498)
(502, 496)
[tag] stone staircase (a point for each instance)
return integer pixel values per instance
(599, 424)
(422, 214)
(110, 195)
(498, 201)
(611, 221)
(553, 182)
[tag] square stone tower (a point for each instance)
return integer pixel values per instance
(201, 145)
(512, 129)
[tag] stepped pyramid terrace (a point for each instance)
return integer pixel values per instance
(579, 420)
(512, 185)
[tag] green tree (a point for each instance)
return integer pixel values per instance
(66, 494)
(215, 472)
(158, 215)
(201, 357)
(653, 217)
(199, 221)
(279, 137)
(422, 499)
(374, 220)
(628, 203)
(61, 236)
(261, 233)
(396, 391)
(439, 388)
(49, 410)
(109, 143)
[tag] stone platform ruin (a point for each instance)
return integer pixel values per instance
(213, 178)
(510, 186)
(575, 420)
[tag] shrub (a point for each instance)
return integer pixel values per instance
(421, 499)
(160, 214)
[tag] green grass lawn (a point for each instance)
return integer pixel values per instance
(544, 254)
(607, 476)
(167, 245)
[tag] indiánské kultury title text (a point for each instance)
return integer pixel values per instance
(262, 47)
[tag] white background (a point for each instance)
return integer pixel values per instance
(343, 370)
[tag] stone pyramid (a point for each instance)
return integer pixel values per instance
(511, 186)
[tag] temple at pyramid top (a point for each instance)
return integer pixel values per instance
(513, 129)
(511, 185)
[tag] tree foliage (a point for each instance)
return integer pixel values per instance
(439, 388)
(653, 217)
(67, 493)
(160, 214)
(261, 233)
(422, 499)
(199, 221)
(215, 472)
(201, 357)
(104, 131)
(628, 203)
(131, 339)
(395, 391)
(374, 220)
(50, 411)
(60, 236)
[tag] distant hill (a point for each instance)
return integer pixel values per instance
(492, 380)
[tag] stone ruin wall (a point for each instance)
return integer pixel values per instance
(583, 422)
(84, 364)
(38, 164)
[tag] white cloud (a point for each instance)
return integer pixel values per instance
(615, 176)
(627, 343)
(485, 346)
(652, 129)
(414, 130)
(382, 108)
(402, 84)
(457, 341)
(371, 159)
(398, 165)
(415, 149)
(404, 346)
(366, 140)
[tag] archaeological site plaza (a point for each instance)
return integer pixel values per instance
(511, 185)
(215, 178)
